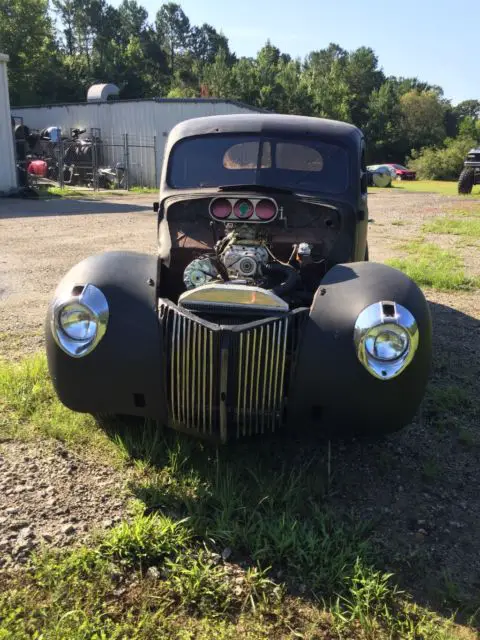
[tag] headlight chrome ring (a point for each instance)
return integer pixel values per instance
(386, 338)
(79, 320)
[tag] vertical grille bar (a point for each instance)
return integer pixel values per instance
(173, 377)
(211, 364)
(257, 377)
(240, 418)
(245, 386)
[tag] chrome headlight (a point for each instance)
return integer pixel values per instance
(386, 339)
(79, 320)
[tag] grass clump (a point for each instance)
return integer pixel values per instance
(454, 226)
(29, 408)
(145, 539)
(429, 265)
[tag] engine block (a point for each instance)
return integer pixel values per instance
(243, 260)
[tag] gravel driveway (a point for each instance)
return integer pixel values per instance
(41, 240)
(420, 487)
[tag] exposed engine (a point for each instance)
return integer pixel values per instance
(243, 257)
(240, 255)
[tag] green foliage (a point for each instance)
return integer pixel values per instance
(443, 163)
(431, 266)
(148, 538)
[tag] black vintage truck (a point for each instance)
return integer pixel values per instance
(470, 175)
(260, 310)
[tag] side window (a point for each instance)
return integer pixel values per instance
(245, 156)
(298, 157)
(363, 174)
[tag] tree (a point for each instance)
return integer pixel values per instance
(132, 18)
(173, 29)
(217, 77)
(422, 118)
(362, 77)
(383, 129)
(26, 35)
(205, 43)
(467, 109)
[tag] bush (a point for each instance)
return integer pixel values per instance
(442, 164)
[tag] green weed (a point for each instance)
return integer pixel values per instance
(453, 226)
(431, 266)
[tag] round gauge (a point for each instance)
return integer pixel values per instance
(243, 209)
(265, 210)
(221, 208)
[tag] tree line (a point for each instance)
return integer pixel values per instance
(58, 49)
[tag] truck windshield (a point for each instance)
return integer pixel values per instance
(294, 164)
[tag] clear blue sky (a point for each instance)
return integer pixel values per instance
(436, 41)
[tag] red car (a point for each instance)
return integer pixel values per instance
(399, 172)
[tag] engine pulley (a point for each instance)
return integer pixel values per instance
(198, 272)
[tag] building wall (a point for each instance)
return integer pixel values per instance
(8, 177)
(147, 123)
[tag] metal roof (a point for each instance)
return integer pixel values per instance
(113, 103)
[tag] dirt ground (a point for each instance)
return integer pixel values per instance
(419, 487)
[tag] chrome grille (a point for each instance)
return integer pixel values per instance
(230, 381)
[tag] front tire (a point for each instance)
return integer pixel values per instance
(466, 181)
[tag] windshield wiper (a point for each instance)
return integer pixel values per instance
(254, 187)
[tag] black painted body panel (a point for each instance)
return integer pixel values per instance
(126, 364)
(332, 391)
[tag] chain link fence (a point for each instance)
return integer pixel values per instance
(86, 159)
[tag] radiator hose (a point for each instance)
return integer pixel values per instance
(289, 275)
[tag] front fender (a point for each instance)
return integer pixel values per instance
(330, 386)
(123, 374)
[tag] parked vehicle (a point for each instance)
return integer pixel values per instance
(379, 175)
(399, 172)
(470, 175)
(260, 310)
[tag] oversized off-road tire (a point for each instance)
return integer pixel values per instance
(466, 181)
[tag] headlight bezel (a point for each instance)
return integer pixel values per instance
(378, 318)
(94, 302)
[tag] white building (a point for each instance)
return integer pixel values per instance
(146, 123)
(8, 175)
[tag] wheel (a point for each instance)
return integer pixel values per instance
(466, 180)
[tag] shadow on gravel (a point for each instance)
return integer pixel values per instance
(298, 505)
(18, 208)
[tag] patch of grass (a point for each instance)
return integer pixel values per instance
(453, 226)
(143, 190)
(431, 470)
(448, 188)
(431, 266)
(90, 593)
(441, 400)
(146, 539)
(29, 408)
(227, 543)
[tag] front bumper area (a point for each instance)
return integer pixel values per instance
(228, 381)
